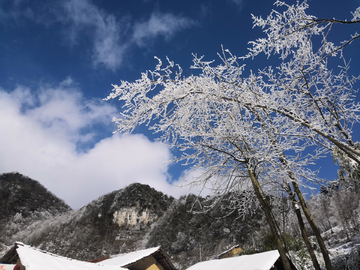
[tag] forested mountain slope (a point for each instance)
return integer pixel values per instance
(197, 235)
(114, 223)
(21, 195)
(24, 201)
(189, 231)
(125, 220)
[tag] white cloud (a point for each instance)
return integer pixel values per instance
(17, 10)
(159, 24)
(110, 43)
(103, 29)
(239, 3)
(39, 133)
(107, 33)
(106, 37)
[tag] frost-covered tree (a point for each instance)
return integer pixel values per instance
(262, 128)
(312, 94)
(347, 203)
(210, 122)
(349, 172)
(317, 97)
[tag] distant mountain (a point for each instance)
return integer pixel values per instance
(197, 235)
(24, 201)
(21, 195)
(138, 217)
(125, 220)
(114, 223)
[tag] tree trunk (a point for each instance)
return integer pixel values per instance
(266, 208)
(306, 211)
(302, 227)
(304, 234)
(306, 240)
(313, 226)
(311, 221)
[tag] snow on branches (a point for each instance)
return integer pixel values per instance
(225, 121)
(262, 129)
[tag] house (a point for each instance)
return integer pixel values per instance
(235, 250)
(7, 266)
(30, 258)
(147, 259)
(261, 261)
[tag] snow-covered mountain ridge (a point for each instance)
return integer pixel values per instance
(125, 220)
(138, 217)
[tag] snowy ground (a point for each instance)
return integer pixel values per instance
(339, 246)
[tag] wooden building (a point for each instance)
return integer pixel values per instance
(260, 261)
(147, 259)
(7, 266)
(29, 258)
(235, 250)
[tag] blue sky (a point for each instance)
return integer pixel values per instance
(58, 60)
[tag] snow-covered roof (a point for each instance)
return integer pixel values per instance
(35, 259)
(7, 266)
(259, 261)
(129, 258)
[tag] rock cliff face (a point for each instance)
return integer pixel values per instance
(132, 216)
